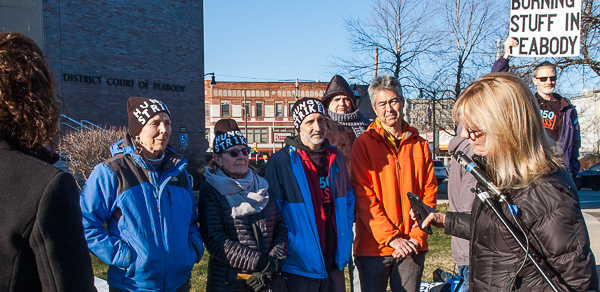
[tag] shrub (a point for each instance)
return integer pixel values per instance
(85, 149)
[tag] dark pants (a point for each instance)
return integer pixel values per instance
(404, 274)
(463, 271)
(184, 288)
(335, 282)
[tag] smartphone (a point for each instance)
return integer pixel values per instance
(417, 206)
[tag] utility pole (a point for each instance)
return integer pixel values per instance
(434, 132)
(245, 115)
(297, 89)
(498, 49)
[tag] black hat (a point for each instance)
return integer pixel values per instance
(227, 134)
(338, 86)
(305, 107)
(140, 110)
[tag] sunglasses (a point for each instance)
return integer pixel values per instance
(473, 134)
(235, 152)
(543, 79)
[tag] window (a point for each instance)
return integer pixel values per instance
(290, 106)
(259, 109)
(279, 109)
(257, 135)
(225, 109)
(206, 109)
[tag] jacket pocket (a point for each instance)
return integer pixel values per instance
(130, 270)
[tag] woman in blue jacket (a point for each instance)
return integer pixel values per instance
(143, 194)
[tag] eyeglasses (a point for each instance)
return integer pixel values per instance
(235, 152)
(473, 134)
(543, 79)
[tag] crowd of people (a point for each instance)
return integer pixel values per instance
(334, 196)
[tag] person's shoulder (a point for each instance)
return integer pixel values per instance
(20, 162)
(119, 161)
(283, 153)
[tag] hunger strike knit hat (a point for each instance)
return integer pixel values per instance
(305, 107)
(140, 110)
(227, 134)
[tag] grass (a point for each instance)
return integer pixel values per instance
(439, 255)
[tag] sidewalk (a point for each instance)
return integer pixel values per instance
(593, 226)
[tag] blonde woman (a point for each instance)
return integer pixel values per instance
(503, 124)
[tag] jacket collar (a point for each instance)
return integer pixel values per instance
(375, 130)
(564, 102)
(43, 154)
(296, 142)
(126, 147)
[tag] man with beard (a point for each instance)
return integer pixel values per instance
(559, 115)
(309, 181)
(389, 160)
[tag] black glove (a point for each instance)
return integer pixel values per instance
(268, 266)
(256, 282)
(272, 268)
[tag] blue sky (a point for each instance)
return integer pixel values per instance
(276, 40)
(265, 40)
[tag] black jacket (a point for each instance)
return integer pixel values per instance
(42, 246)
(550, 215)
(341, 137)
(231, 241)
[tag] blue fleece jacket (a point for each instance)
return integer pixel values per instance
(289, 186)
(154, 244)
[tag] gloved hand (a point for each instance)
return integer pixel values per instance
(268, 266)
(272, 268)
(256, 281)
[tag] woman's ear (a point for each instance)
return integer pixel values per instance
(137, 141)
(217, 159)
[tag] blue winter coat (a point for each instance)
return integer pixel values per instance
(156, 241)
(289, 186)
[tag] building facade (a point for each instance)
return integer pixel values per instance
(104, 52)
(265, 107)
(588, 109)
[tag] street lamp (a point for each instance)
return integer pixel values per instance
(213, 82)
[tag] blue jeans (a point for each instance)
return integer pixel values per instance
(463, 271)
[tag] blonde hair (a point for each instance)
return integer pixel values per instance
(501, 106)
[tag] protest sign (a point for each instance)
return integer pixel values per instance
(545, 28)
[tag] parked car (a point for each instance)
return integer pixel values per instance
(589, 178)
(440, 170)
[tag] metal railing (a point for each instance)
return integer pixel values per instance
(78, 126)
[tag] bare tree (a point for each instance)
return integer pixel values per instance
(466, 52)
(399, 31)
(471, 23)
(590, 39)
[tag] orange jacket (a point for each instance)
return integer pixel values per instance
(381, 178)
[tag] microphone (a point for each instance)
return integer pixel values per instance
(479, 174)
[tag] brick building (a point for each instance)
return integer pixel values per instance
(104, 52)
(268, 105)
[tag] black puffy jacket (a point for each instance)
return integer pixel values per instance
(550, 215)
(231, 241)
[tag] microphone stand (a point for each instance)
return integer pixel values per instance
(484, 196)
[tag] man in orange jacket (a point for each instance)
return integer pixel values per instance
(389, 160)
